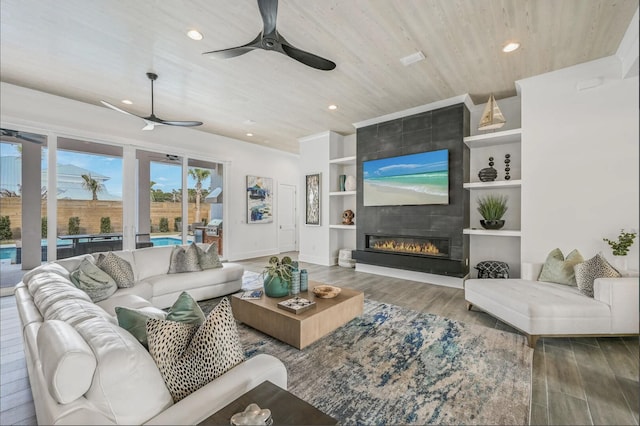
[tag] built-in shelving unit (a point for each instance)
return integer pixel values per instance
(483, 242)
(492, 232)
(342, 161)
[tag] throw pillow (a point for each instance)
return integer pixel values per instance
(184, 260)
(558, 269)
(118, 268)
(209, 259)
(189, 357)
(588, 271)
(93, 281)
(185, 310)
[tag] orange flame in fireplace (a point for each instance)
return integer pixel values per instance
(406, 247)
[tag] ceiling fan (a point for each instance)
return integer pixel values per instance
(152, 120)
(270, 39)
(29, 137)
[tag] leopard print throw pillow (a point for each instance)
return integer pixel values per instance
(117, 268)
(588, 271)
(189, 356)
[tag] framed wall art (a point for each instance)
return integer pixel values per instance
(312, 184)
(259, 199)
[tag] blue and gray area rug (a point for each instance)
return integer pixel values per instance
(397, 366)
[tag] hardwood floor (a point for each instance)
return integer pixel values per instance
(575, 380)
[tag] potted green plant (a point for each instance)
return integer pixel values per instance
(621, 248)
(277, 276)
(492, 208)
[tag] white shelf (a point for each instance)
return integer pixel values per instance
(342, 226)
(342, 193)
(494, 184)
(344, 160)
(495, 138)
(492, 232)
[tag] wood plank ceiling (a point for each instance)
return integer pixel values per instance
(101, 49)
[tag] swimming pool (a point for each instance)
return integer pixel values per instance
(9, 251)
(168, 241)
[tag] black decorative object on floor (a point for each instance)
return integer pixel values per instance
(492, 269)
(507, 169)
(488, 174)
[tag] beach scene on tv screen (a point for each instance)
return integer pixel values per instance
(407, 180)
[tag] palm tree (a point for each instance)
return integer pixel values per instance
(199, 175)
(90, 184)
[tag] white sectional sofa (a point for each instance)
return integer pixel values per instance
(547, 309)
(85, 369)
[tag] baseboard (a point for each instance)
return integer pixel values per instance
(404, 274)
(316, 260)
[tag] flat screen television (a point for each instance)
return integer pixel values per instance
(413, 179)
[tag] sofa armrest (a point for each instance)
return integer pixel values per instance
(215, 395)
(530, 270)
(621, 294)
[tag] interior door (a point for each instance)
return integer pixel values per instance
(287, 230)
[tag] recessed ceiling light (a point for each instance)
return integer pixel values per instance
(127, 101)
(412, 59)
(195, 35)
(249, 122)
(332, 107)
(249, 134)
(510, 47)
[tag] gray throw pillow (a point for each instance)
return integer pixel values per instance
(558, 269)
(93, 281)
(588, 271)
(118, 268)
(209, 259)
(189, 356)
(184, 260)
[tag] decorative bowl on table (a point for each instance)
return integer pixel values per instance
(326, 291)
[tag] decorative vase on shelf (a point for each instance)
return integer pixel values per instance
(350, 183)
(492, 224)
(343, 178)
(488, 174)
(275, 286)
(620, 263)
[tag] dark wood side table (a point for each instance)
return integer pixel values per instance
(286, 408)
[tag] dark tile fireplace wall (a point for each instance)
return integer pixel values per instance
(443, 128)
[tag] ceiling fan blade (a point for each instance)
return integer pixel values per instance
(232, 52)
(115, 108)
(307, 58)
(269, 12)
(182, 123)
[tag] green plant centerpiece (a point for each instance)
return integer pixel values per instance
(492, 208)
(622, 245)
(277, 276)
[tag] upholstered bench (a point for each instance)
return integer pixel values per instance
(547, 309)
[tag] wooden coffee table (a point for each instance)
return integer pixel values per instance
(286, 408)
(299, 330)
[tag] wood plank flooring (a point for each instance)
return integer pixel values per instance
(575, 380)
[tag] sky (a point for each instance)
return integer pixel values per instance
(166, 176)
(423, 162)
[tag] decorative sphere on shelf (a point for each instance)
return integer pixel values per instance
(350, 183)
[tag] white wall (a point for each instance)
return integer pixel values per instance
(25, 109)
(579, 160)
(314, 158)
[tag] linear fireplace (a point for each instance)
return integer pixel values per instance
(415, 246)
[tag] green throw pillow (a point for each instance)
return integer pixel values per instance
(184, 310)
(135, 321)
(558, 269)
(209, 259)
(93, 281)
